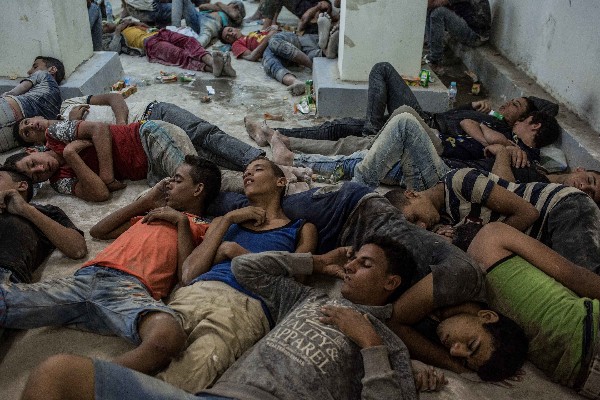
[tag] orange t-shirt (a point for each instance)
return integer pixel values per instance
(149, 252)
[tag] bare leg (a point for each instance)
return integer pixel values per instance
(281, 154)
(295, 86)
(162, 339)
(63, 377)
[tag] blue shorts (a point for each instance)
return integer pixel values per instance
(96, 299)
(112, 381)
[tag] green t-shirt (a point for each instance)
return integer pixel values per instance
(561, 326)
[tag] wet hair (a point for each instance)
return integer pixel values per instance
(54, 62)
(18, 176)
(398, 198)
(400, 261)
(238, 21)
(207, 173)
(549, 129)
(510, 350)
(18, 138)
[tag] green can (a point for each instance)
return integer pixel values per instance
(424, 77)
(308, 90)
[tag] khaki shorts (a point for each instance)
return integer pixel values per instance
(221, 324)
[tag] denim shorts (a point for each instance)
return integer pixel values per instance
(112, 381)
(96, 299)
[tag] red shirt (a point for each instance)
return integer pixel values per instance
(248, 42)
(129, 159)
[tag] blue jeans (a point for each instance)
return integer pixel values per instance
(96, 299)
(209, 141)
(443, 19)
(114, 382)
(402, 154)
(95, 26)
(165, 149)
(283, 48)
(387, 91)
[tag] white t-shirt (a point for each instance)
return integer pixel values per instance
(102, 113)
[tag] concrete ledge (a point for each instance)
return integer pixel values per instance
(337, 98)
(93, 76)
(504, 81)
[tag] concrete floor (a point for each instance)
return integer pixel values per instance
(253, 93)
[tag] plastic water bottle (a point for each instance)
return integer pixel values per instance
(109, 13)
(452, 91)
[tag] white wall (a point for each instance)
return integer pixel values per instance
(57, 28)
(380, 30)
(557, 42)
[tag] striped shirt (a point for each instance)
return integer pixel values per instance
(42, 99)
(467, 191)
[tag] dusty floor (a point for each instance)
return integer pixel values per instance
(252, 92)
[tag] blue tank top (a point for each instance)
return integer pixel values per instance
(284, 238)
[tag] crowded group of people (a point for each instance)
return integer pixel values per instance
(472, 259)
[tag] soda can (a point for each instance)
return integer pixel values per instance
(308, 90)
(424, 77)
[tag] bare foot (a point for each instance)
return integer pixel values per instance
(281, 154)
(332, 46)
(297, 187)
(227, 68)
(297, 88)
(301, 174)
(289, 176)
(258, 131)
(218, 63)
(324, 25)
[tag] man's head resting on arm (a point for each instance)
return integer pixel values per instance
(378, 272)
(537, 129)
(11, 178)
(488, 343)
(54, 66)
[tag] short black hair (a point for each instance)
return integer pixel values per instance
(397, 198)
(11, 161)
(510, 350)
(54, 62)
(207, 173)
(18, 138)
(400, 261)
(529, 106)
(549, 129)
(18, 176)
